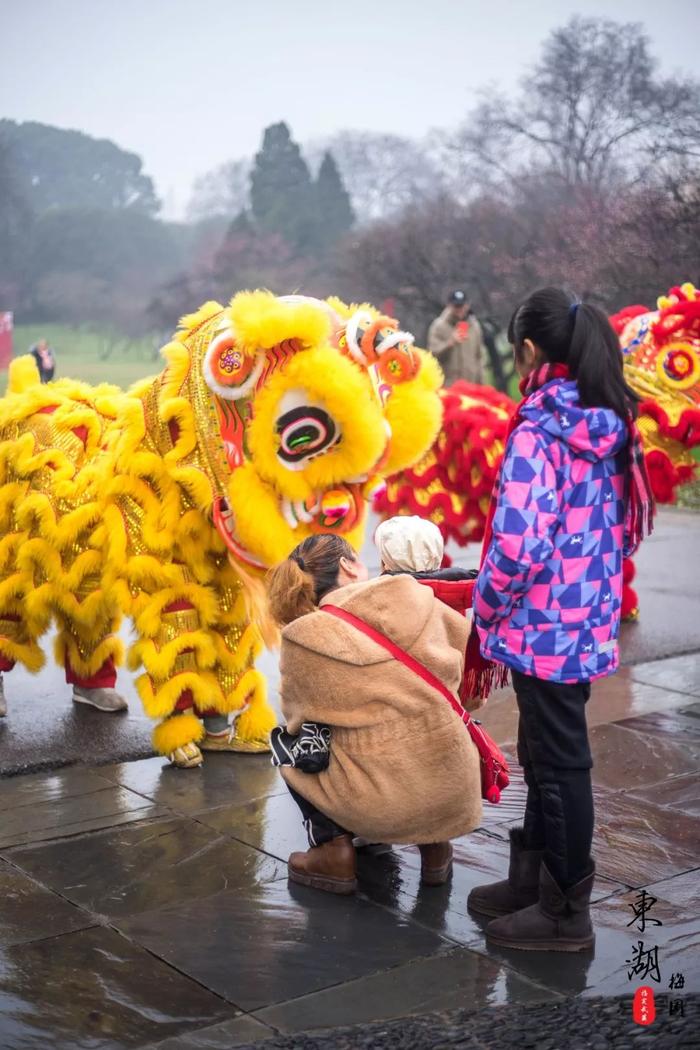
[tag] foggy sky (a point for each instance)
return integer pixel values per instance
(189, 84)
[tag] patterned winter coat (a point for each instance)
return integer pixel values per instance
(547, 600)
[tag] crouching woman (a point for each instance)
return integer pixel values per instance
(402, 767)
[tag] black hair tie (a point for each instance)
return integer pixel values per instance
(300, 562)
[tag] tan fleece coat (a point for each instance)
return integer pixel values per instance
(403, 768)
(462, 359)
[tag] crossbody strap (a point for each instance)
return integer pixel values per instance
(401, 655)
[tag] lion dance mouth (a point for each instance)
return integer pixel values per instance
(339, 509)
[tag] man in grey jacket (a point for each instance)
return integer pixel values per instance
(455, 339)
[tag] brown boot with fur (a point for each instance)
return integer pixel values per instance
(519, 890)
(435, 863)
(330, 866)
(559, 922)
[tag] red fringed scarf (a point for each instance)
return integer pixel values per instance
(481, 676)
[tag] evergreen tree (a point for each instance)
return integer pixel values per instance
(334, 213)
(282, 191)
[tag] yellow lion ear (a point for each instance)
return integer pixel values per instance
(229, 372)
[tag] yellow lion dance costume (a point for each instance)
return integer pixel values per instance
(274, 418)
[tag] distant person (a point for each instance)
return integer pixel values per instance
(45, 360)
(455, 339)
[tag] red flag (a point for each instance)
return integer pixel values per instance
(5, 339)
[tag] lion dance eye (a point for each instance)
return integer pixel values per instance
(678, 366)
(228, 371)
(305, 432)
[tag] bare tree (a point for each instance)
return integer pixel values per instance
(593, 110)
(224, 191)
(383, 173)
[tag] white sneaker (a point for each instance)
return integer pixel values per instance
(102, 699)
(3, 701)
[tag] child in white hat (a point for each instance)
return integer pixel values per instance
(409, 544)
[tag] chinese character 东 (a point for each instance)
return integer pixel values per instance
(676, 1006)
(643, 904)
(644, 963)
(677, 981)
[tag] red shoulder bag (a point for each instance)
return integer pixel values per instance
(494, 768)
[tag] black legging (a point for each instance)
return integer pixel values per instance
(319, 827)
(554, 752)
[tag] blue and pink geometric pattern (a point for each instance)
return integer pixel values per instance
(548, 597)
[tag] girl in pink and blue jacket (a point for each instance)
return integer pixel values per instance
(571, 499)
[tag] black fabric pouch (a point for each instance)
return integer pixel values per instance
(309, 750)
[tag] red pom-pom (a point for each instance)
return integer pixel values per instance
(493, 794)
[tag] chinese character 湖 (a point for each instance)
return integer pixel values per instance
(644, 963)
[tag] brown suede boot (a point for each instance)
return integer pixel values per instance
(330, 866)
(435, 863)
(519, 890)
(559, 922)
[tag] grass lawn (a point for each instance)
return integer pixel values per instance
(90, 354)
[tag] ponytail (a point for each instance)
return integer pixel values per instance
(290, 592)
(579, 336)
(296, 586)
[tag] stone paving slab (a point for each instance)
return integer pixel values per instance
(639, 842)
(145, 866)
(273, 942)
(237, 1032)
(37, 808)
(625, 759)
(440, 982)
(680, 674)
(223, 779)
(29, 911)
(272, 824)
(94, 989)
(677, 793)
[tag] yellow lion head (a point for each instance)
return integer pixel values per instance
(294, 410)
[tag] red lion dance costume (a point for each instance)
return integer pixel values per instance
(452, 484)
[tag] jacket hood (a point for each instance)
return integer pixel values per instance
(592, 433)
(398, 606)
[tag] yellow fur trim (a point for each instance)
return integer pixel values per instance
(204, 601)
(253, 502)
(177, 731)
(414, 411)
(23, 374)
(86, 664)
(234, 661)
(179, 410)
(160, 701)
(258, 719)
(27, 653)
(191, 322)
(260, 321)
(160, 662)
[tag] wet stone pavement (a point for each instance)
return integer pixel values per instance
(143, 906)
